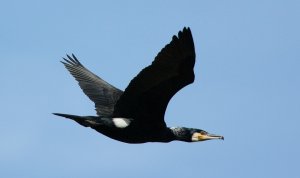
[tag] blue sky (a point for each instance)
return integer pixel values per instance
(247, 87)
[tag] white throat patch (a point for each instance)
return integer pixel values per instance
(121, 122)
(195, 137)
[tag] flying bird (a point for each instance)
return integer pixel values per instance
(136, 115)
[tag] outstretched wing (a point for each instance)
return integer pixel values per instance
(148, 94)
(99, 91)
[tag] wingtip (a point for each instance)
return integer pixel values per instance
(65, 61)
(71, 59)
(74, 57)
(186, 29)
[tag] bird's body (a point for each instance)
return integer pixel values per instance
(137, 114)
(135, 133)
(130, 132)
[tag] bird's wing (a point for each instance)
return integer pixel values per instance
(103, 94)
(147, 95)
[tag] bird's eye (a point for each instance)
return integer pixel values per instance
(203, 132)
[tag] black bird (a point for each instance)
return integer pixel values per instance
(137, 114)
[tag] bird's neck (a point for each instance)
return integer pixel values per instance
(180, 133)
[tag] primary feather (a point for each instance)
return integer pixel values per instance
(103, 94)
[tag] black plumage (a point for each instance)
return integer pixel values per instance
(137, 114)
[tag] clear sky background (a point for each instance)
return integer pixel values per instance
(247, 87)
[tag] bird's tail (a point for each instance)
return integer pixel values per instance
(85, 121)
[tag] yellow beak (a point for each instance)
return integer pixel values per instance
(209, 137)
(203, 137)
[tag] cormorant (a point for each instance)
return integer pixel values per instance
(136, 115)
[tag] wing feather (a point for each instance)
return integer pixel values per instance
(103, 94)
(148, 94)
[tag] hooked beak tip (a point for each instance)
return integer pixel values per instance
(216, 136)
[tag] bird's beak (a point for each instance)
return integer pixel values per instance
(212, 136)
(203, 137)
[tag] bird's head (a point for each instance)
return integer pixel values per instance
(192, 135)
(201, 135)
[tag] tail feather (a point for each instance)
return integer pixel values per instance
(84, 121)
(68, 116)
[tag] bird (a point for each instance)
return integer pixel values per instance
(136, 115)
